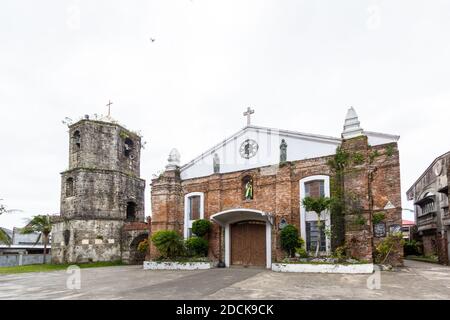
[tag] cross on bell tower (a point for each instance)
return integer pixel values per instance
(109, 108)
(248, 114)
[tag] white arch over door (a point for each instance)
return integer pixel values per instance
(311, 216)
(228, 217)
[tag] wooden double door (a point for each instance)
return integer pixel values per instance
(248, 243)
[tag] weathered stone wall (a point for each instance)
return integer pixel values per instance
(101, 194)
(102, 146)
(97, 240)
(80, 241)
(104, 165)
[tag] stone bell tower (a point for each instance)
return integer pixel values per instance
(101, 193)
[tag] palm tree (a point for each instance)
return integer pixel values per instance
(41, 224)
(4, 237)
(318, 205)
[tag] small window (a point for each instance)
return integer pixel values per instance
(131, 211)
(77, 140)
(69, 187)
(194, 208)
(128, 147)
(315, 189)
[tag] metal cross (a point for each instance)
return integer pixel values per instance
(248, 114)
(109, 108)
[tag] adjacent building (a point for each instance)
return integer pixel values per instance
(430, 196)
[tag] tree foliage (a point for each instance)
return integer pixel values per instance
(201, 227)
(317, 205)
(41, 224)
(290, 239)
(197, 246)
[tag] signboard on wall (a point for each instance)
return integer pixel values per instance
(379, 230)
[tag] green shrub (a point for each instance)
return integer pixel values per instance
(340, 253)
(411, 248)
(378, 217)
(358, 158)
(143, 246)
(359, 220)
(387, 245)
(201, 227)
(390, 151)
(197, 246)
(168, 243)
(302, 253)
(290, 239)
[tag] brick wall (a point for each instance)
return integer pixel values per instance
(276, 190)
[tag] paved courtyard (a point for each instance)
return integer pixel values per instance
(417, 280)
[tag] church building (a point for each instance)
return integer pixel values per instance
(252, 184)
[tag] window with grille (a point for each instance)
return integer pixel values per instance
(312, 236)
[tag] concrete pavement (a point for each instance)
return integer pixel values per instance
(417, 280)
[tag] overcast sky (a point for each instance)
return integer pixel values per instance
(299, 64)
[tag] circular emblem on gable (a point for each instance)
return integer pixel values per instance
(438, 168)
(248, 148)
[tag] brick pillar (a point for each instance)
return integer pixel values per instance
(212, 206)
(283, 207)
(167, 204)
(358, 226)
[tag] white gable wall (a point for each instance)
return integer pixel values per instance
(299, 147)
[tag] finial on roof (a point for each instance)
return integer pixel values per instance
(173, 160)
(352, 126)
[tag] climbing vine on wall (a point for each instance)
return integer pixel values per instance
(337, 165)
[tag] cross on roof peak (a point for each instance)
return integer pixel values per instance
(248, 114)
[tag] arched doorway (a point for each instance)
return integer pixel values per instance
(136, 256)
(248, 236)
(248, 243)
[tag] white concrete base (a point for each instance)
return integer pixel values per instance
(154, 265)
(323, 268)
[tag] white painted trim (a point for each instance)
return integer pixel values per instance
(227, 245)
(187, 221)
(364, 268)
(268, 245)
(302, 182)
(154, 265)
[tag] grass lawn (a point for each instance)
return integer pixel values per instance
(55, 267)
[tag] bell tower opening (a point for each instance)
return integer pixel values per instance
(131, 211)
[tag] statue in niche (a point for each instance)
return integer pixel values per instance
(248, 187)
(216, 163)
(283, 151)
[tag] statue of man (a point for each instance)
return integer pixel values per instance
(216, 163)
(283, 151)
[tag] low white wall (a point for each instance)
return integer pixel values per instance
(323, 268)
(153, 265)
